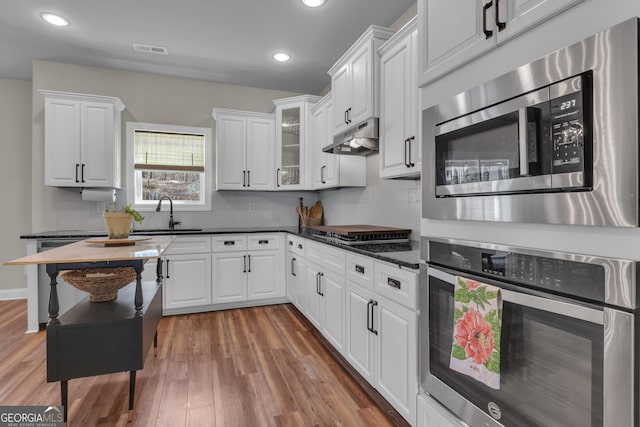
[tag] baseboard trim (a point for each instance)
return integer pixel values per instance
(11, 294)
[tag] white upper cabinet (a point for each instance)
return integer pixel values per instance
(355, 79)
(400, 151)
(327, 170)
(245, 147)
(82, 140)
(455, 32)
(293, 136)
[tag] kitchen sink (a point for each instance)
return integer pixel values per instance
(164, 230)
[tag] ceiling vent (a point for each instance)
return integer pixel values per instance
(150, 49)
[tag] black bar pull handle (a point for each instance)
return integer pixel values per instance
(406, 152)
(318, 283)
(349, 115)
(359, 269)
(244, 178)
(77, 166)
(263, 242)
(299, 246)
(346, 117)
(244, 263)
(290, 243)
(321, 276)
(412, 138)
(369, 304)
(248, 178)
(293, 262)
(168, 277)
(249, 256)
(487, 33)
(229, 242)
(82, 173)
(322, 174)
(278, 177)
(501, 25)
(373, 304)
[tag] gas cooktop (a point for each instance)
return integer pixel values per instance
(358, 235)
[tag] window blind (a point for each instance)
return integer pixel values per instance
(169, 151)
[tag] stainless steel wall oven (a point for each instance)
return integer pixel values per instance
(568, 343)
(555, 141)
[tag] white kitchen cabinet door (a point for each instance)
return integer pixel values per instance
(245, 150)
(98, 152)
(452, 34)
(187, 281)
(332, 289)
(62, 142)
(355, 79)
(264, 278)
(480, 26)
(341, 97)
(359, 348)
(260, 154)
(314, 301)
(396, 355)
(399, 147)
(82, 140)
(229, 277)
(521, 15)
(231, 152)
(291, 277)
(362, 87)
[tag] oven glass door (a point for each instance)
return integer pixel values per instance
(500, 149)
(551, 365)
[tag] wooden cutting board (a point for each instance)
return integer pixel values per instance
(361, 229)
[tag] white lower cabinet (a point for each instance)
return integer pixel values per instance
(325, 291)
(247, 267)
(296, 268)
(381, 324)
(187, 273)
(433, 414)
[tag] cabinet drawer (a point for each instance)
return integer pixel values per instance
(314, 252)
(360, 270)
(263, 241)
(229, 243)
(334, 260)
(296, 244)
(189, 245)
(396, 284)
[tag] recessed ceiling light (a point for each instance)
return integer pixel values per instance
(281, 56)
(54, 19)
(313, 3)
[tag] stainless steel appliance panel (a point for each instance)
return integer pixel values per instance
(612, 56)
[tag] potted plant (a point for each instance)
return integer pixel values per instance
(119, 220)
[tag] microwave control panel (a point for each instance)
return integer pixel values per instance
(568, 126)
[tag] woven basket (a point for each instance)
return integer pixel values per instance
(102, 284)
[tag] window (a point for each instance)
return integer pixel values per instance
(165, 160)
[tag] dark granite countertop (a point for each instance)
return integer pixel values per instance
(408, 257)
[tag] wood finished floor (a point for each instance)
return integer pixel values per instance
(260, 366)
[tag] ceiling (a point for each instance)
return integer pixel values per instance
(228, 41)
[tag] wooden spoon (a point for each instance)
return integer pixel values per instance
(299, 210)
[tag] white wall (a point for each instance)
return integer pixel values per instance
(154, 99)
(574, 25)
(15, 140)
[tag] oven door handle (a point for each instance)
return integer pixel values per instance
(522, 141)
(539, 303)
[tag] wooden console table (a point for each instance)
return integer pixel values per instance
(106, 337)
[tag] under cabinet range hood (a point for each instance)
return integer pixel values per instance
(359, 140)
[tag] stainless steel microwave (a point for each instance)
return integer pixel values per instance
(554, 141)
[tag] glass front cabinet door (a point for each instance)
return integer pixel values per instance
(293, 136)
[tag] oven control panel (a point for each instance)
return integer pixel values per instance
(561, 276)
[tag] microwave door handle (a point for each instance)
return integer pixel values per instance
(539, 303)
(522, 141)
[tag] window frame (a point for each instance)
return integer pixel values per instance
(178, 205)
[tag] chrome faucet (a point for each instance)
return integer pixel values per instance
(172, 223)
